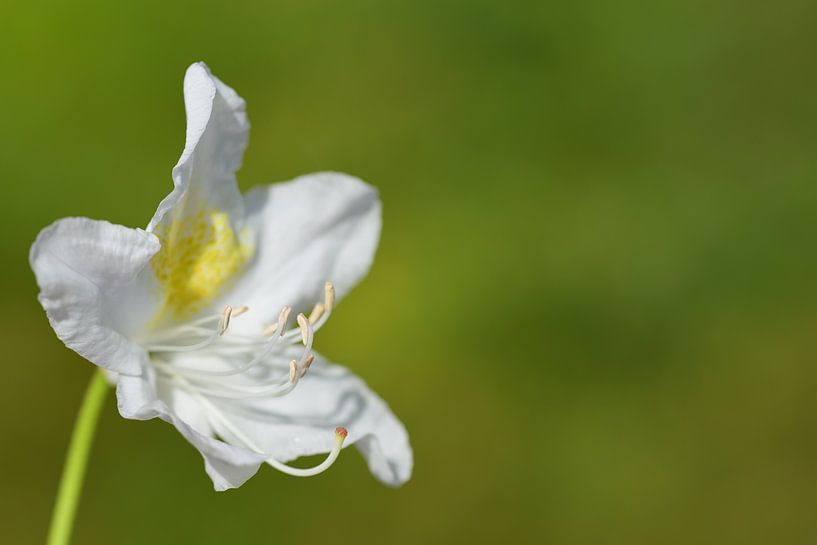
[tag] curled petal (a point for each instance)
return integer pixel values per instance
(200, 223)
(217, 133)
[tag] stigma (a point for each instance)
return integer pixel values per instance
(204, 358)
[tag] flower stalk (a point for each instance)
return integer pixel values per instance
(76, 461)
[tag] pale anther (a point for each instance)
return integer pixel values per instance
(309, 359)
(224, 323)
(293, 371)
(280, 325)
(303, 324)
(329, 295)
(316, 313)
(240, 310)
(283, 318)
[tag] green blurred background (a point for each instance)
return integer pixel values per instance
(595, 299)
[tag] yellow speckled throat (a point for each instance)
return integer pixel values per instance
(200, 253)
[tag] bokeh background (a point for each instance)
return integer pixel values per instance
(594, 304)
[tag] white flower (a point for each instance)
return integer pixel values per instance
(151, 306)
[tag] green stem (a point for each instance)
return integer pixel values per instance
(62, 520)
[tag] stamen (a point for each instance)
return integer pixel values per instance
(293, 371)
(218, 354)
(328, 295)
(321, 311)
(277, 388)
(308, 337)
(235, 371)
(224, 323)
(280, 325)
(303, 323)
(224, 320)
(307, 362)
(237, 345)
(317, 312)
(283, 318)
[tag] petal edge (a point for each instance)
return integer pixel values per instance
(85, 269)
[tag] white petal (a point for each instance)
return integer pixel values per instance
(200, 224)
(217, 132)
(317, 228)
(302, 422)
(91, 288)
(228, 466)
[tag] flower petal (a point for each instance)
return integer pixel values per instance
(92, 290)
(217, 133)
(200, 223)
(228, 466)
(302, 422)
(315, 228)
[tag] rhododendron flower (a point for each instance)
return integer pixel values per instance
(206, 319)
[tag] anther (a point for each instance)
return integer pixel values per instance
(283, 318)
(303, 324)
(329, 295)
(224, 323)
(307, 362)
(293, 371)
(280, 325)
(316, 314)
(240, 310)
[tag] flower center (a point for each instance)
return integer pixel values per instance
(200, 252)
(205, 359)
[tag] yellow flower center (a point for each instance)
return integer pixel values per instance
(199, 254)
